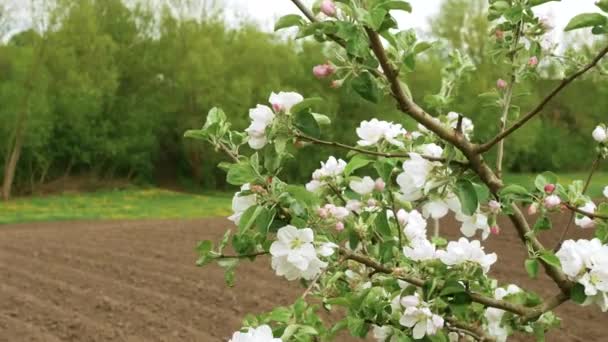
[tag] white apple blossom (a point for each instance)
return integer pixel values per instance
(332, 169)
(467, 124)
(418, 169)
(354, 206)
(605, 192)
(418, 316)
(414, 225)
(463, 250)
(284, 101)
(420, 250)
(296, 245)
(576, 256)
(431, 150)
(585, 221)
(339, 213)
(552, 201)
(241, 203)
(294, 256)
(263, 333)
(435, 209)
(494, 315)
(373, 131)
(600, 299)
(382, 333)
(261, 116)
(471, 224)
(600, 134)
(364, 186)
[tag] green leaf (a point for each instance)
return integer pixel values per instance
(300, 194)
(241, 173)
(308, 103)
(409, 61)
(357, 326)
(376, 17)
(531, 266)
(539, 2)
(306, 123)
(289, 21)
(382, 225)
(321, 119)
(603, 5)
(356, 163)
(468, 196)
(577, 294)
(366, 86)
(214, 116)
(396, 5)
(551, 259)
(384, 167)
(264, 220)
(421, 47)
(586, 20)
(280, 314)
(452, 287)
(249, 217)
(543, 223)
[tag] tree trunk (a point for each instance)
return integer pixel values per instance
(11, 163)
(19, 137)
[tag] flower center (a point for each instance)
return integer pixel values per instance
(296, 243)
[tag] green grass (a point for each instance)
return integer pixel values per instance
(598, 182)
(123, 204)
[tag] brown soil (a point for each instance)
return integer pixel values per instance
(136, 281)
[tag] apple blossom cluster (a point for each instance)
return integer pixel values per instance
(357, 235)
(294, 255)
(600, 134)
(494, 316)
(330, 173)
(262, 333)
(586, 262)
(263, 116)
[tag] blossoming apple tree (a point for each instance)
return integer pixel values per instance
(357, 236)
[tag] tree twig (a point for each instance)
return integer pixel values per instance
(563, 84)
(596, 164)
(507, 100)
(374, 153)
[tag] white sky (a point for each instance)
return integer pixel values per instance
(266, 12)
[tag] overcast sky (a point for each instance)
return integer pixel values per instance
(267, 11)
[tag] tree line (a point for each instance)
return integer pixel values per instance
(107, 88)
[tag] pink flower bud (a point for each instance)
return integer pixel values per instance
(328, 8)
(500, 34)
(495, 230)
(277, 107)
(323, 70)
(323, 213)
(380, 185)
(501, 84)
(339, 226)
(494, 206)
(533, 62)
(552, 201)
(549, 188)
(532, 209)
